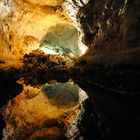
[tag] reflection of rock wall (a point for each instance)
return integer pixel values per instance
(32, 115)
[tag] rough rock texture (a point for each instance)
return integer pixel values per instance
(23, 24)
(106, 25)
(5, 8)
(73, 7)
(45, 2)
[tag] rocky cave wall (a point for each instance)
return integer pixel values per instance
(106, 25)
(23, 24)
(111, 31)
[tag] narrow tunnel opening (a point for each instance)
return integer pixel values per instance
(62, 40)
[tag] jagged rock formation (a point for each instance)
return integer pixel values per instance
(23, 24)
(106, 25)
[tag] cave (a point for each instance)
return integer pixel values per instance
(69, 69)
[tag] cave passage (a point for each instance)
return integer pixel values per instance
(61, 40)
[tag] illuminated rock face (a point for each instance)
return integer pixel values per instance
(5, 8)
(73, 8)
(103, 26)
(23, 26)
(45, 2)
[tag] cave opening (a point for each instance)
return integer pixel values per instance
(62, 40)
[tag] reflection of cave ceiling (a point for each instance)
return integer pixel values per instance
(45, 112)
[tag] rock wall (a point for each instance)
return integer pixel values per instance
(46, 2)
(23, 24)
(106, 24)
